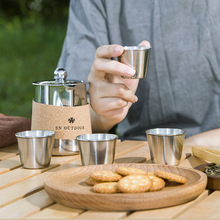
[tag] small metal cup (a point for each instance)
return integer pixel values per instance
(136, 57)
(97, 148)
(35, 148)
(166, 145)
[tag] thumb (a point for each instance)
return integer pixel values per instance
(145, 43)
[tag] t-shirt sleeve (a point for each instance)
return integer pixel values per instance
(86, 31)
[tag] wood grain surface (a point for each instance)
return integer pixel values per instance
(213, 182)
(68, 188)
(23, 196)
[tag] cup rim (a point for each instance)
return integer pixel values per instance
(182, 132)
(82, 137)
(141, 48)
(28, 134)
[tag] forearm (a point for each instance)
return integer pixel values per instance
(207, 138)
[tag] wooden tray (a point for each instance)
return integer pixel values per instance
(68, 187)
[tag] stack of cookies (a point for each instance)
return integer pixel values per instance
(130, 180)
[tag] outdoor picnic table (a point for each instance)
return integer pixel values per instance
(22, 193)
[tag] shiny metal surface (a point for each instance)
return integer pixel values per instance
(35, 148)
(138, 58)
(65, 147)
(60, 92)
(97, 148)
(60, 75)
(166, 145)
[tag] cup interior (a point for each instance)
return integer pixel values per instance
(35, 134)
(96, 137)
(166, 131)
(136, 48)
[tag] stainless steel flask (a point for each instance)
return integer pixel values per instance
(61, 92)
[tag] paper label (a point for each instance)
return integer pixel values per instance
(66, 121)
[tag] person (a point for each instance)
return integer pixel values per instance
(182, 87)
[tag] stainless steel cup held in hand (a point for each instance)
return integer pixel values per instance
(136, 57)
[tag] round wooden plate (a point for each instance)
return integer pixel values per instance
(68, 187)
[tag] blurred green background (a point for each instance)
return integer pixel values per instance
(31, 38)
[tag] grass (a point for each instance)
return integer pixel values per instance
(29, 51)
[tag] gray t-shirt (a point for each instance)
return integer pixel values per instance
(182, 88)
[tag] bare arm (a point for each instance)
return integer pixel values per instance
(208, 138)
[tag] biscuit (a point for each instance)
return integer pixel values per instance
(105, 176)
(170, 176)
(134, 184)
(124, 171)
(110, 187)
(157, 183)
(150, 174)
(91, 182)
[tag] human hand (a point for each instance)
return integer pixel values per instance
(111, 96)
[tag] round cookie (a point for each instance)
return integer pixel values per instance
(110, 187)
(150, 174)
(170, 176)
(91, 182)
(124, 171)
(135, 184)
(105, 176)
(157, 183)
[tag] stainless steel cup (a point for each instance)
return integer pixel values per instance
(35, 148)
(97, 148)
(166, 145)
(136, 57)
